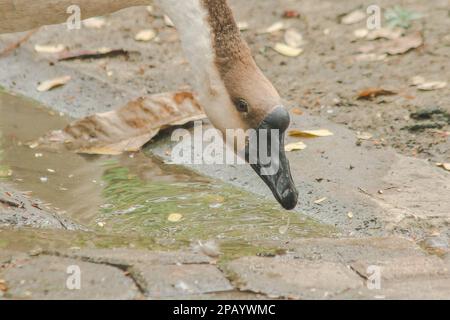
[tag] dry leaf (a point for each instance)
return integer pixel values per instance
(321, 200)
(297, 111)
(127, 128)
(360, 33)
(92, 54)
(354, 17)
(397, 46)
(364, 136)
(293, 38)
(310, 133)
(404, 44)
(243, 26)
(94, 23)
(145, 35)
(295, 146)
(277, 26)
(287, 51)
(174, 217)
(168, 21)
(371, 93)
(433, 85)
(384, 33)
(445, 166)
(289, 14)
(53, 83)
(3, 286)
(49, 48)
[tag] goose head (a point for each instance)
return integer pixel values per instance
(256, 107)
(233, 90)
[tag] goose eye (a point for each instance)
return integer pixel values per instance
(241, 105)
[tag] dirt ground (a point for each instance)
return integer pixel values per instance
(388, 180)
(325, 79)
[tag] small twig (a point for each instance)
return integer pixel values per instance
(9, 49)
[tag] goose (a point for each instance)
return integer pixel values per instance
(232, 89)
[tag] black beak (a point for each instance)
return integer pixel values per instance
(266, 155)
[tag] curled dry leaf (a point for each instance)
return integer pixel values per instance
(353, 17)
(295, 146)
(433, 85)
(127, 128)
(287, 51)
(445, 166)
(53, 83)
(49, 48)
(145, 35)
(310, 133)
(370, 93)
(92, 54)
(175, 217)
(168, 21)
(293, 38)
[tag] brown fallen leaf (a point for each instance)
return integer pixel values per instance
(295, 146)
(53, 83)
(385, 33)
(297, 111)
(9, 49)
(370, 93)
(128, 128)
(289, 14)
(310, 133)
(92, 54)
(3, 286)
(395, 46)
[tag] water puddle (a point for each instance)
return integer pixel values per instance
(130, 198)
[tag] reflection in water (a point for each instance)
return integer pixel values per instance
(131, 196)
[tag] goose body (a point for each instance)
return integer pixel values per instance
(231, 88)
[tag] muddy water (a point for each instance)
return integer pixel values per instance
(132, 196)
